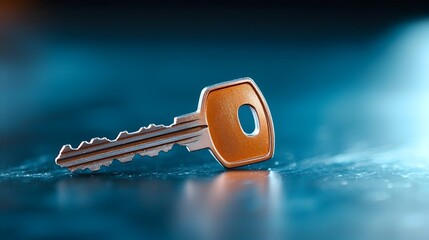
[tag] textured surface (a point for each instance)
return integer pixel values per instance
(361, 194)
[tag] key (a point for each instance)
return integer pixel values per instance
(214, 126)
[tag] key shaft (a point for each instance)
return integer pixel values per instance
(186, 130)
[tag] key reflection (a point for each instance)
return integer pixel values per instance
(235, 203)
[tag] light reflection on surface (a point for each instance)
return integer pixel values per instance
(231, 204)
(235, 204)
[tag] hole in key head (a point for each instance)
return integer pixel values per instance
(248, 119)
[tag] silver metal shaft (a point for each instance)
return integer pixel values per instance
(186, 130)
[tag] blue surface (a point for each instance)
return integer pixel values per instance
(348, 94)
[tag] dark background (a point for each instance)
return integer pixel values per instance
(347, 84)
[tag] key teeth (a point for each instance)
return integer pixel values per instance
(84, 144)
(168, 148)
(121, 135)
(96, 140)
(155, 151)
(66, 148)
(99, 140)
(93, 167)
(126, 158)
(151, 127)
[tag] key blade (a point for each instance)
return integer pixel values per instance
(147, 141)
(68, 154)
